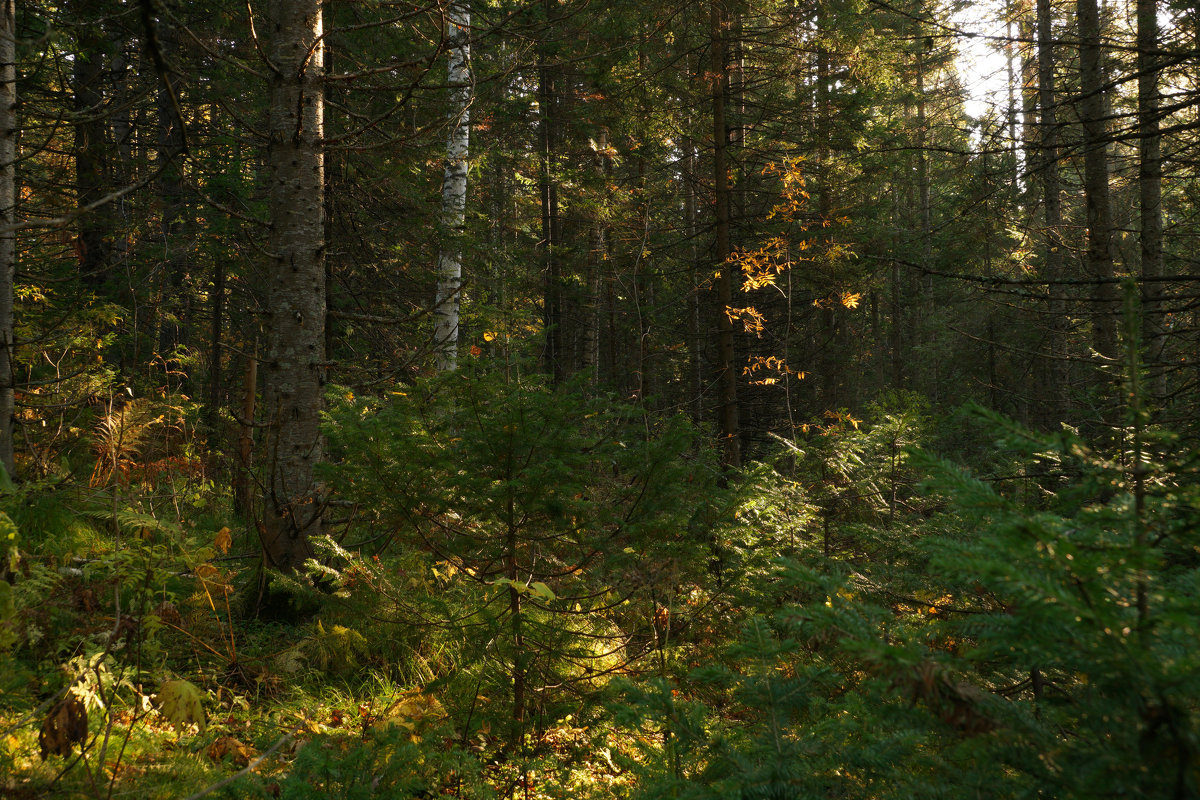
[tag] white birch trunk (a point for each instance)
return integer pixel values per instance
(454, 187)
(295, 361)
(8, 215)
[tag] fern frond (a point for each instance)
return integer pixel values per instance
(119, 435)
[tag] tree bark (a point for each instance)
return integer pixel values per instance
(1150, 178)
(454, 187)
(829, 345)
(243, 498)
(731, 455)
(8, 235)
(1028, 29)
(1095, 176)
(94, 244)
(170, 144)
(1052, 255)
(552, 302)
(295, 362)
(695, 335)
(597, 261)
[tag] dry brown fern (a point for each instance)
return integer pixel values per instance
(118, 437)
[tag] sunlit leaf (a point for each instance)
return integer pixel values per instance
(181, 702)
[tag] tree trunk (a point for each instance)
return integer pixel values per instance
(1015, 66)
(1150, 180)
(1095, 177)
(829, 349)
(1028, 28)
(731, 455)
(552, 302)
(212, 410)
(454, 187)
(1052, 256)
(171, 310)
(95, 235)
(597, 262)
(243, 498)
(924, 307)
(8, 217)
(295, 362)
(695, 335)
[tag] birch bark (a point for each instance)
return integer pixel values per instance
(454, 187)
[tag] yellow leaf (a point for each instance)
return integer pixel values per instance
(206, 571)
(229, 747)
(413, 712)
(181, 703)
(223, 540)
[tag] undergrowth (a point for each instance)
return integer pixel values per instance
(536, 595)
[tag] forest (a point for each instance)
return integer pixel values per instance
(534, 399)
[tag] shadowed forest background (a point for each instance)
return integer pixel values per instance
(556, 399)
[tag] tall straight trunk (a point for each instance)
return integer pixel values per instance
(295, 362)
(1149, 175)
(828, 352)
(1010, 63)
(896, 307)
(597, 259)
(695, 336)
(552, 302)
(120, 143)
(8, 218)
(333, 163)
(1052, 255)
(731, 454)
(243, 497)
(454, 186)
(171, 317)
(923, 187)
(1029, 29)
(215, 388)
(94, 244)
(643, 277)
(925, 305)
(1095, 177)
